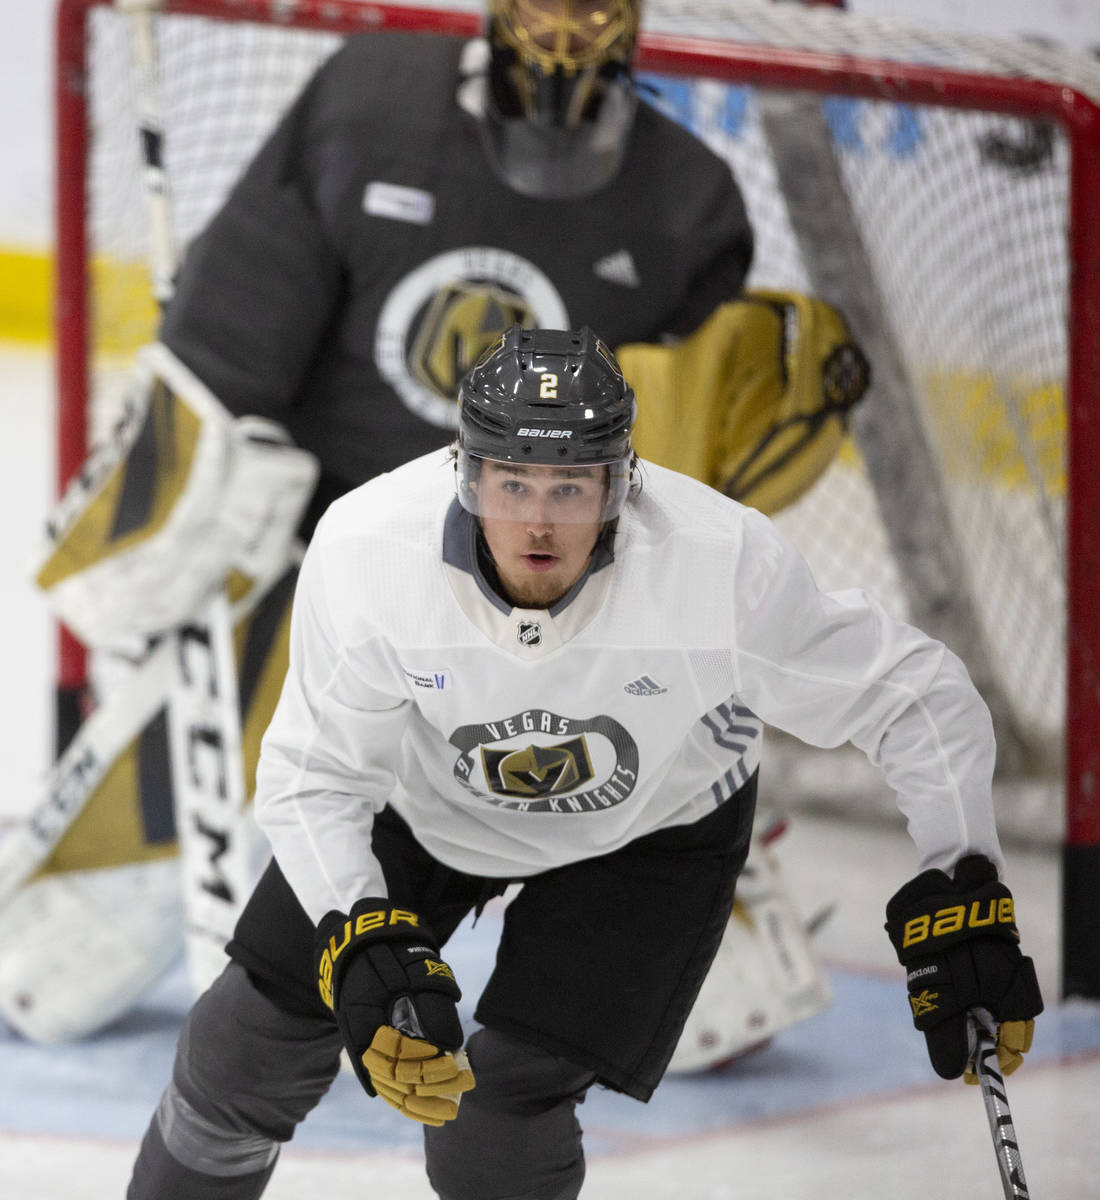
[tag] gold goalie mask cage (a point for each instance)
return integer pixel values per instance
(560, 100)
(562, 54)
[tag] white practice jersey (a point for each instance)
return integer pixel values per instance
(516, 740)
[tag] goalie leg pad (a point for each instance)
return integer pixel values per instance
(90, 899)
(95, 869)
(78, 949)
(764, 978)
(107, 801)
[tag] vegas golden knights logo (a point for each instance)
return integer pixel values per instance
(463, 319)
(437, 320)
(540, 761)
(538, 770)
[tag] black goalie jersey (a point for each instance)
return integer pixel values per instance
(370, 253)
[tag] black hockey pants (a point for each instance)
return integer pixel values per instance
(247, 1072)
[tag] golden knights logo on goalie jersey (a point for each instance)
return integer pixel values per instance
(582, 766)
(440, 317)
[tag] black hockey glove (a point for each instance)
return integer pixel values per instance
(958, 942)
(395, 1003)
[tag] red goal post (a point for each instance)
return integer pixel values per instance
(748, 70)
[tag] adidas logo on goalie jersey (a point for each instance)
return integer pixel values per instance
(645, 685)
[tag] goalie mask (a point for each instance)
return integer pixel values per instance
(561, 100)
(548, 398)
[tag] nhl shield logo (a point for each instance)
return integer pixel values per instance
(529, 633)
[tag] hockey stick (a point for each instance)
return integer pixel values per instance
(141, 18)
(982, 1034)
(205, 727)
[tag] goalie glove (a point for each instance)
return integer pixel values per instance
(755, 402)
(958, 942)
(395, 1003)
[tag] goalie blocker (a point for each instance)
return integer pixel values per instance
(179, 481)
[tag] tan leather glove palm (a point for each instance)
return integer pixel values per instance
(414, 1077)
(1013, 1042)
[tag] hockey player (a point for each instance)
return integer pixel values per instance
(420, 196)
(461, 712)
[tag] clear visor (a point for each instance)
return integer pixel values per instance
(537, 494)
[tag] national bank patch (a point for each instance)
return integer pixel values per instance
(540, 761)
(434, 680)
(399, 203)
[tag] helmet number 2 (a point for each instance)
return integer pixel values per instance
(548, 389)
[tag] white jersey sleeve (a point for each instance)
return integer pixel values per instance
(328, 757)
(833, 667)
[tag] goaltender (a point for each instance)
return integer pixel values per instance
(458, 715)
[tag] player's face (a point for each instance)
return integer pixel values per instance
(541, 525)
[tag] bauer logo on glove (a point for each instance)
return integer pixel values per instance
(957, 939)
(958, 918)
(339, 940)
(395, 1002)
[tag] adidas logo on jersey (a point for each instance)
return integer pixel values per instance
(645, 685)
(618, 268)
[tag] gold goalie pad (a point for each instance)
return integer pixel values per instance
(765, 976)
(756, 402)
(92, 892)
(158, 515)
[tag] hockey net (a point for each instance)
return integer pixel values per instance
(943, 191)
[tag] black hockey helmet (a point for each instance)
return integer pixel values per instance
(546, 397)
(561, 99)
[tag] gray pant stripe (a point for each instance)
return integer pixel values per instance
(205, 1147)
